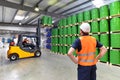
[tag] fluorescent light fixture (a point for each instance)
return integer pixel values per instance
(98, 3)
(19, 17)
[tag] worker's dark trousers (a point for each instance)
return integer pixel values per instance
(87, 72)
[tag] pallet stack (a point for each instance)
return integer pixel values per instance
(48, 36)
(105, 27)
(47, 22)
(115, 32)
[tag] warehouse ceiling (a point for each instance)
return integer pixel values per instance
(13, 10)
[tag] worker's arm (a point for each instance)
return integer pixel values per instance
(103, 50)
(70, 54)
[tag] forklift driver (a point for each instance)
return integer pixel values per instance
(26, 43)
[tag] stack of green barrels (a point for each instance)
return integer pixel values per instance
(54, 40)
(115, 35)
(47, 20)
(104, 29)
(100, 29)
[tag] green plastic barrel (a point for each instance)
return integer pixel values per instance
(115, 8)
(56, 40)
(96, 36)
(69, 30)
(78, 29)
(64, 50)
(69, 40)
(73, 39)
(114, 56)
(95, 27)
(104, 27)
(45, 20)
(94, 13)
(55, 49)
(104, 39)
(50, 20)
(104, 12)
(74, 19)
(74, 30)
(104, 58)
(87, 15)
(69, 20)
(64, 40)
(80, 17)
(61, 31)
(60, 49)
(97, 52)
(64, 31)
(115, 40)
(61, 41)
(52, 40)
(56, 31)
(61, 24)
(115, 24)
(64, 21)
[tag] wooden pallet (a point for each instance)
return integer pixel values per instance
(114, 64)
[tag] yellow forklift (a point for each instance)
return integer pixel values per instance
(28, 50)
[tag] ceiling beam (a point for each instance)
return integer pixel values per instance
(26, 8)
(75, 7)
(14, 16)
(38, 2)
(79, 10)
(64, 5)
(16, 24)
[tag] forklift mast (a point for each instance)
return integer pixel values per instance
(38, 36)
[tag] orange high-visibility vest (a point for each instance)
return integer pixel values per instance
(86, 56)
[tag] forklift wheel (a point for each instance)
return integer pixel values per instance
(37, 53)
(13, 57)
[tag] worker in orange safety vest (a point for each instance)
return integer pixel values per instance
(86, 59)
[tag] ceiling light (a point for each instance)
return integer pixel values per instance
(98, 3)
(19, 17)
(53, 21)
(20, 23)
(36, 8)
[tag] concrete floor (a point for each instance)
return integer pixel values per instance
(49, 66)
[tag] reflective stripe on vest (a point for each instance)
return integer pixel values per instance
(86, 54)
(83, 60)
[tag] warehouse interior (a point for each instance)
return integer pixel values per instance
(55, 26)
